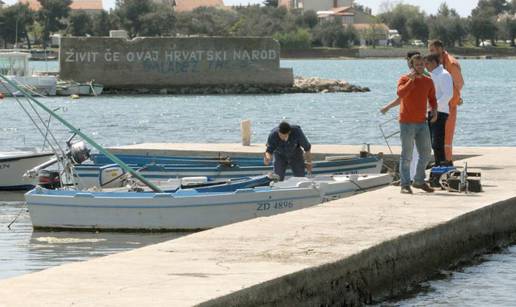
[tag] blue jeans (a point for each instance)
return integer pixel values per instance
(296, 163)
(420, 135)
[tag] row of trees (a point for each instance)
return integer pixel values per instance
(490, 20)
(294, 29)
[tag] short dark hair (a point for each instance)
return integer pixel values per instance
(433, 58)
(436, 43)
(417, 57)
(410, 54)
(284, 128)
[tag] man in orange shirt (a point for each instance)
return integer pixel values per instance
(453, 67)
(416, 91)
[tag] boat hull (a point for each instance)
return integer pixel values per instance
(160, 212)
(14, 165)
(188, 209)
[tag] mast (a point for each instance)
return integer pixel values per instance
(86, 138)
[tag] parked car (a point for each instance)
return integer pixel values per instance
(486, 44)
(417, 43)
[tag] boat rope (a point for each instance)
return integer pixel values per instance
(16, 218)
(87, 139)
(27, 113)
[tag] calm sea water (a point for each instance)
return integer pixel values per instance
(342, 118)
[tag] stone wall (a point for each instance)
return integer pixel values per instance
(173, 62)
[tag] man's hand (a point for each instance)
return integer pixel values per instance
(434, 116)
(267, 158)
(461, 101)
(385, 109)
(309, 168)
(412, 75)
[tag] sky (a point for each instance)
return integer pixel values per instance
(464, 7)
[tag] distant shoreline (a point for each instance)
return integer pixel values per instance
(387, 53)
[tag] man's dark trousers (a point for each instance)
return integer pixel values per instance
(296, 163)
(437, 132)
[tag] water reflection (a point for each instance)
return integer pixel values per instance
(23, 251)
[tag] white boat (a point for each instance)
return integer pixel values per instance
(13, 166)
(68, 88)
(91, 175)
(15, 66)
(186, 209)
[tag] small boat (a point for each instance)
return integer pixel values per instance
(13, 166)
(186, 209)
(15, 67)
(43, 55)
(93, 175)
(67, 206)
(69, 88)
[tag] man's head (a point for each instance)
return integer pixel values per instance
(284, 130)
(418, 64)
(432, 61)
(436, 47)
(410, 54)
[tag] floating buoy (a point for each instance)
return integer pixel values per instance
(75, 96)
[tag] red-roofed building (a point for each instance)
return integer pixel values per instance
(92, 6)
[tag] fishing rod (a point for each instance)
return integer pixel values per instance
(86, 138)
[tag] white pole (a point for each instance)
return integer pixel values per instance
(245, 130)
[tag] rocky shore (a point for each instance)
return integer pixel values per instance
(301, 85)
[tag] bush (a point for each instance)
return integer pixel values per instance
(333, 34)
(299, 39)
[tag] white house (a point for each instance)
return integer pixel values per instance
(315, 5)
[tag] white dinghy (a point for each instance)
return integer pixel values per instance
(187, 209)
(13, 166)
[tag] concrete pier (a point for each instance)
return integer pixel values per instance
(347, 252)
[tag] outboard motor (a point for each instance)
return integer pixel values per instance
(49, 179)
(79, 152)
(112, 176)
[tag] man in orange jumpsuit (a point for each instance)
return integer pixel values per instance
(453, 67)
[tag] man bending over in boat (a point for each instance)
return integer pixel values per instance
(284, 148)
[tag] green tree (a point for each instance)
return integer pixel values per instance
(80, 24)
(333, 34)
(310, 19)
(447, 26)
(401, 17)
(208, 21)
(263, 21)
(160, 22)
(15, 22)
(508, 27)
(418, 28)
(272, 3)
(130, 13)
(51, 16)
(483, 20)
(101, 24)
(482, 28)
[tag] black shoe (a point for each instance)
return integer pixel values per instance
(406, 190)
(396, 183)
(425, 187)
